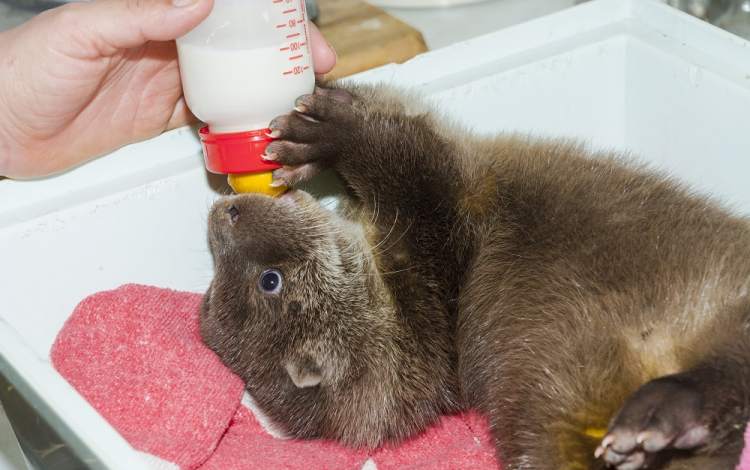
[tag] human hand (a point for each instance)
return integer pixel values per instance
(86, 78)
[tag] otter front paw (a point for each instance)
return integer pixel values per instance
(313, 136)
(663, 414)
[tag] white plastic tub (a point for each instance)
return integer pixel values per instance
(629, 74)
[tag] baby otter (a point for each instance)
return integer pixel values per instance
(596, 311)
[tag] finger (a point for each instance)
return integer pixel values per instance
(181, 115)
(323, 55)
(103, 27)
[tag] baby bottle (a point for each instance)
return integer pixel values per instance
(245, 64)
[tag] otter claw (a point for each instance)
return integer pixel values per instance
(606, 442)
(278, 182)
(274, 134)
(300, 108)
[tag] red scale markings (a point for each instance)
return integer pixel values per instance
(293, 35)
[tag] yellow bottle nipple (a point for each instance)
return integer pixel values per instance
(257, 182)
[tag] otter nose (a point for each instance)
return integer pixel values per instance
(233, 212)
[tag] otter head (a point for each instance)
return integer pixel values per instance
(294, 310)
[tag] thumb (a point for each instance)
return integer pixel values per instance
(102, 27)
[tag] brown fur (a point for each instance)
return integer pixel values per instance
(540, 282)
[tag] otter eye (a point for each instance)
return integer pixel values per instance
(270, 281)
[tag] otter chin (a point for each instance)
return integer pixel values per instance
(595, 310)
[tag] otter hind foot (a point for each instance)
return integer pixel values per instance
(663, 414)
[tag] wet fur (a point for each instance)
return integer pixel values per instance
(540, 282)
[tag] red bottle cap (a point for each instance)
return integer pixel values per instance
(236, 152)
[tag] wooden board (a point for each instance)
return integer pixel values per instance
(365, 37)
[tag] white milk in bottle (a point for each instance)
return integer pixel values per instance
(224, 88)
(245, 64)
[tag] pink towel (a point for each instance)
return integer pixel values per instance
(461, 441)
(135, 354)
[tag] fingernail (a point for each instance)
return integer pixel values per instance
(334, 51)
(184, 3)
(322, 76)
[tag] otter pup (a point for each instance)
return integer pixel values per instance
(596, 311)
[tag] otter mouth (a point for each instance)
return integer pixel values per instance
(299, 199)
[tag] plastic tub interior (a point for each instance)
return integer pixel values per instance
(625, 74)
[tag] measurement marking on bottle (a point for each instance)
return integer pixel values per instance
(281, 25)
(284, 49)
(296, 57)
(292, 35)
(297, 70)
(290, 11)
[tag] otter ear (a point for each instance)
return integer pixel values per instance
(304, 372)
